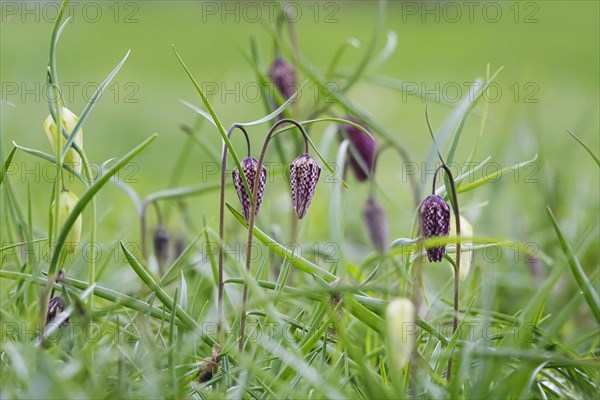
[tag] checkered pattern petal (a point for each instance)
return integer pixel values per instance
(304, 175)
(434, 215)
(249, 167)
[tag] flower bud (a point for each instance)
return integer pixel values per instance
(283, 76)
(69, 120)
(249, 167)
(304, 175)
(55, 307)
(466, 231)
(434, 214)
(362, 156)
(401, 330)
(377, 224)
(161, 244)
(68, 200)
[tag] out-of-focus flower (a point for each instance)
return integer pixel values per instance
(401, 330)
(466, 231)
(67, 203)
(362, 155)
(377, 224)
(69, 120)
(283, 76)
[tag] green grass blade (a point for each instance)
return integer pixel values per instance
(6, 164)
(87, 197)
(93, 100)
(590, 294)
(591, 153)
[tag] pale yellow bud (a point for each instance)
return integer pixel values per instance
(68, 200)
(69, 120)
(401, 330)
(466, 231)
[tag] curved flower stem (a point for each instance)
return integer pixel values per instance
(454, 202)
(253, 212)
(221, 222)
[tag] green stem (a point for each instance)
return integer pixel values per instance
(252, 216)
(458, 243)
(221, 288)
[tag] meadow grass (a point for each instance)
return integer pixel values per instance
(305, 302)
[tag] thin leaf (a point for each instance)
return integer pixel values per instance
(590, 294)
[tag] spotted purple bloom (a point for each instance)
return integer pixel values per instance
(377, 224)
(249, 167)
(283, 76)
(362, 154)
(55, 307)
(304, 175)
(434, 215)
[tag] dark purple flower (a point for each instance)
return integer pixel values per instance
(434, 215)
(377, 224)
(249, 167)
(161, 244)
(55, 307)
(304, 175)
(362, 154)
(283, 76)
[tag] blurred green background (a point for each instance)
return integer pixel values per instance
(550, 83)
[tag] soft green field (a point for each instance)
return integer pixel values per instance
(535, 324)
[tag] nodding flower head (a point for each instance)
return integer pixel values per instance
(434, 215)
(160, 239)
(67, 203)
(304, 175)
(55, 307)
(283, 76)
(362, 154)
(377, 224)
(69, 120)
(249, 168)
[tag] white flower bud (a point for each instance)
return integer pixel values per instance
(401, 330)
(69, 120)
(68, 200)
(466, 231)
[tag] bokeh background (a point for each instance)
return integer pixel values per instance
(549, 83)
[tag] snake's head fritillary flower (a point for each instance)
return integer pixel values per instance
(362, 155)
(67, 203)
(434, 215)
(466, 230)
(249, 169)
(55, 307)
(304, 175)
(377, 223)
(401, 330)
(160, 240)
(69, 120)
(283, 76)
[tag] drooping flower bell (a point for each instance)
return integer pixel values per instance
(249, 168)
(362, 155)
(434, 215)
(67, 203)
(160, 239)
(304, 175)
(377, 224)
(283, 76)
(401, 330)
(55, 307)
(69, 120)
(466, 231)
